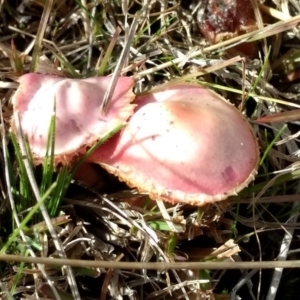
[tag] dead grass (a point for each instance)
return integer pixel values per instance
(155, 42)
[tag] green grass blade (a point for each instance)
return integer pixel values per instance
(27, 218)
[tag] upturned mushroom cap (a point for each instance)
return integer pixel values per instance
(189, 146)
(79, 121)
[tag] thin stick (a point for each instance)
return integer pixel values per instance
(118, 69)
(40, 34)
(229, 265)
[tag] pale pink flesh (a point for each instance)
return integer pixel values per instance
(193, 147)
(79, 120)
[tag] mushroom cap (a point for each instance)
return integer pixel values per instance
(184, 144)
(79, 121)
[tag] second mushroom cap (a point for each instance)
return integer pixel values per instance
(184, 144)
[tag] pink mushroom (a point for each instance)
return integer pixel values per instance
(184, 144)
(79, 122)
